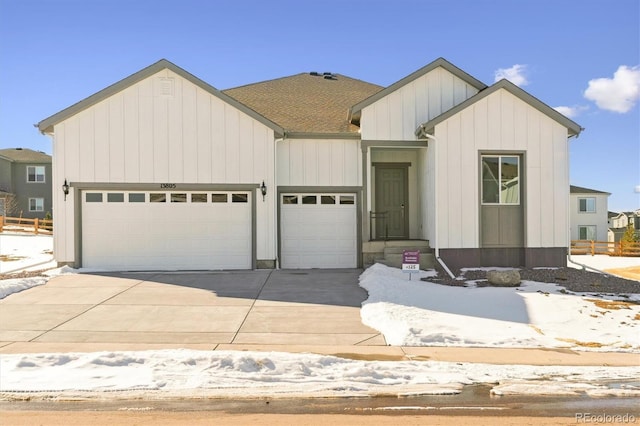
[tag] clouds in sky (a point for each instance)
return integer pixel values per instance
(571, 111)
(617, 94)
(516, 74)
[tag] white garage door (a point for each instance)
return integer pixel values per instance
(166, 230)
(318, 231)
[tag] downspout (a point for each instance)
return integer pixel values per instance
(276, 230)
(435, 185)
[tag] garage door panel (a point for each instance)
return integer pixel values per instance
(318, 235)
(166, 235)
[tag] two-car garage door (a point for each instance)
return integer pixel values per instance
(148, 230)
(318, 230)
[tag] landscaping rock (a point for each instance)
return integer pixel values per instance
(509, 278)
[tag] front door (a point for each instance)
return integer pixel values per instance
(392, 201)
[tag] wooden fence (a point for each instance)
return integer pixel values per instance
(618, 248)
(21, 224)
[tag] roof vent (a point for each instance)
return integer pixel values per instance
(314, 73)
(18, 149)
(329, 76)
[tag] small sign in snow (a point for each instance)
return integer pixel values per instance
(410, 261)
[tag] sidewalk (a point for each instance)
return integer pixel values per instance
(316, 311)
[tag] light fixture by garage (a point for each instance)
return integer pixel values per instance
(65, 189)
(263, 189)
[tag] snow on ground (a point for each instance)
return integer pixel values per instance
(421, 313)
(189, 373)
(602, 261)
(407, 312)
(20, 251)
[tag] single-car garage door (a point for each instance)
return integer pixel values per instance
(318, 231)
(149, 230)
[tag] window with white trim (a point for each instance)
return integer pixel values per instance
(500, 179)
(587, 205)
(35, 174)
(36, 204)
(587, 232)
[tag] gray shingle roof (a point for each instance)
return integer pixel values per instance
(306, 103)
(25, 155)
(580, 190)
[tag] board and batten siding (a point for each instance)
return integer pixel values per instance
(319, 162)
(398, 115)
(163, 129)
(501, 122)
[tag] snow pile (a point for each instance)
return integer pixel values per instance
(179, 373)
(421, 313)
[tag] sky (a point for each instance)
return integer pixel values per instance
(408, 312)
(580, 56)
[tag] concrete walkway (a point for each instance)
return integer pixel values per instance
(314, 311)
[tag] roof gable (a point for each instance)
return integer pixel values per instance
(573, 127)
(354, 113)
(306, 102)
(46, 125)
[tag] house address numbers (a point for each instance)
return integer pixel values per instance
(168, 186)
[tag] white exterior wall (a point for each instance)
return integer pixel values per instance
(398, 115)
(599, 218)
(140, 135)
(500, 122)
(319, 162)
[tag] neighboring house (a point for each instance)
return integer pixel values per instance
(618, 223)
(25, 183)
(589, 214)
(310, 170)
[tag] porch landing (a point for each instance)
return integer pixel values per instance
(389, 252)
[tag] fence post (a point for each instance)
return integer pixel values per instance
(1, 222)
(621, 248)
(593, 247)
(35, 226)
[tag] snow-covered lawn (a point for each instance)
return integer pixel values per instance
(407, 312)
(421, 313)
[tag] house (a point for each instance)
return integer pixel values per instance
(589, 214)
(25, 183)
(618, 223)
(313, 170)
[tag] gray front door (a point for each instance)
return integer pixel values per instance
(392, 198)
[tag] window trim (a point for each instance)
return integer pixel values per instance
(36, 209)
(500, 202)
(586, 205)
(587, 227)
(35, 174)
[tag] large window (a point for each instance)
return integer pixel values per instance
(35, 174)
(500, 179)
(36, 204)
(587, 205)
(587, 232)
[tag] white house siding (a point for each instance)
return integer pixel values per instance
(501, 122)
(140, 135)
(319, 162)
(398, 115)
(599, 218)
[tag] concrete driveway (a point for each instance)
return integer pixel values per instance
(262, 309)
(316, 311)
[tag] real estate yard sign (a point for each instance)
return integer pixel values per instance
(410, 261)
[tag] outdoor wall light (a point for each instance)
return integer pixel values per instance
(65, 189)
(263, 189)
